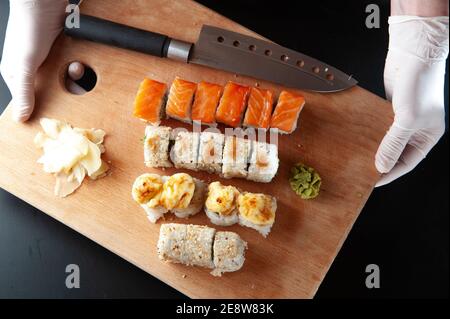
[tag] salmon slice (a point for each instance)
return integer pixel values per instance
(148, 104)
(286, 112)
(180, 100)
(259, 109)
(206, 99)
(232, 104)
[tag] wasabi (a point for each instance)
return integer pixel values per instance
(305, 181)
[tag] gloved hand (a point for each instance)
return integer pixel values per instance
(414, 78)
(32, 28)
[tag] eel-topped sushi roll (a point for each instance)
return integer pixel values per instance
(146, 191)
(149, 101)
(232, 104)
(180, 100)
(257, 211)
(221, 204)
(205, 103)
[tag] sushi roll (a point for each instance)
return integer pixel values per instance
(146, 191)
(232, 104)
(229, 252)
(185, 150)
(284, 118)
(196, 203)
(259, 109)
(202, 246)
(156, 146)
(205, 103)
(178, 191)
(257, 211)
(236, 154)
(221, 204)
(180, 100)
(210, 152)
(190, 245)
(263, 162)
(149, 101)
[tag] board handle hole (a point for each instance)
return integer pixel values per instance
(79, 78)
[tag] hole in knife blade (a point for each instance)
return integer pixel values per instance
(316, 69)
(220, 39)
(236, 43)
(284, 58)
(330, 77)
(252, 47)
(268, 52)
(300, 63)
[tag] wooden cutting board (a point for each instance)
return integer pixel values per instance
(338, 134)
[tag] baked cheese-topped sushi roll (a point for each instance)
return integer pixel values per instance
(196, 203)
(259, 109)
(232, 104)
(178, 191)
(184, 152)
(149, 101)
(257, 211)
(180, 100)
(221, 204)
(210, 152)
(190, 245)
(156, 146)
(284, 118)
(263, 162)
(205, 104)
(146, 191)
(236, 154)
(229, 252)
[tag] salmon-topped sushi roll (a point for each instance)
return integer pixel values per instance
(180, 100)
(205, 104)
(149, 101)
(259, 109)
(285, 116)
(232, 104)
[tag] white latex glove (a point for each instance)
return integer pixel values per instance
(32, 28)
(414, 78)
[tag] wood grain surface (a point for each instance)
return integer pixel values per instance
(338, 135)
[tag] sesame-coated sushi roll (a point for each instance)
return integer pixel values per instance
(210, 152)
(190, 245)
(263, 162)
(156, 146)
(184, 152)
(229, 252)
(235, 157)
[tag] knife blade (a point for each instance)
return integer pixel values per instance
(222, 49)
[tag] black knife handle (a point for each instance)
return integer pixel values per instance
(119, 35)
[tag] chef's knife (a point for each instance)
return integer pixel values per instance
(222, 49)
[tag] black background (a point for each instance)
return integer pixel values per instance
(403, 228)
